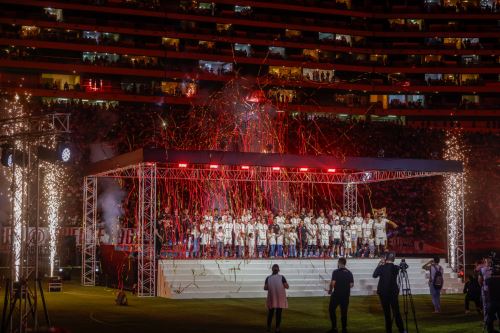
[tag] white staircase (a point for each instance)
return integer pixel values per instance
(188, 279)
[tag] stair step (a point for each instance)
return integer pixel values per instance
(185, 279)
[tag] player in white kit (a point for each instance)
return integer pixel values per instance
(380, 235)
(205, 243)
(308, 219)
(261, 232)
(246, 216)
(280, 219)
(367, 231)
(271, 238)
(337, 238)
(228, 227)
(239, 238)
(250, 229)
(325, 231)
(380, 227)
(216, 225)
(280, 237)
(358, 220)
(312, 238)
(354, 237)
(347, 241)
(295, 220)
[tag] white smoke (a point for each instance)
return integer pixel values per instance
(110, 198)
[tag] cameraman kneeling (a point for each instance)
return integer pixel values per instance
(388, 291)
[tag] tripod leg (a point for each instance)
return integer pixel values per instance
(45, 312)
(11, 311)
(408, 298)
(32, 309)
(5, 305)
(413, 311)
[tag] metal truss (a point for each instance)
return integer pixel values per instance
(146, 284)
(89, 231)
(35, 126)
(254, 174)
(148, 174)
(461, 229)
(24, 133)
(351, 197)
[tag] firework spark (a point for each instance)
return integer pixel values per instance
(454, 190)
(50, 186)
(17, 230)
(14, 108)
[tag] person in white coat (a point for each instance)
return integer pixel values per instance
(276, 286)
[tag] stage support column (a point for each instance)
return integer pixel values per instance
(89, 241)
(461, 229)
(146, 284)
(351, 197)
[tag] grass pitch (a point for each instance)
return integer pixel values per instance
(92, 309)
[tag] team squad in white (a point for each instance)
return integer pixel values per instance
(264, 235)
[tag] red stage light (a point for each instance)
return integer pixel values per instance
(276, 168)
(214, 166)
(304, 169)
(183, 165)
(332, 170)
(245, 167)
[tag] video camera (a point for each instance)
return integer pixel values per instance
(403, 265)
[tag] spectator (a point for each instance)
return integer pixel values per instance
(276, 286)
(340, 291)
(435, 282)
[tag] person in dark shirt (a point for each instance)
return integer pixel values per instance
(388, 291)
(472, 291)
(340, 290)
(493, 284)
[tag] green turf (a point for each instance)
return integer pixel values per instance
(92, 309)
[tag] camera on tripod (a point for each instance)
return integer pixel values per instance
(403, 266)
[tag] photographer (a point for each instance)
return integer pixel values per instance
(435, 282)
(388, 291)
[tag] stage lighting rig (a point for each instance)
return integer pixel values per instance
(21, 138)
(7, 156)
(11, 156)
(62, 153)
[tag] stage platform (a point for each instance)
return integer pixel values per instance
(237, 278)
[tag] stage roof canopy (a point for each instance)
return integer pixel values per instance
(165, 157)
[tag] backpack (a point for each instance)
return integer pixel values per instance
(438, 279)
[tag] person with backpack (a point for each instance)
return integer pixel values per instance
(436, 282)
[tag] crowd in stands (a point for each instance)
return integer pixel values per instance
(397, 104)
